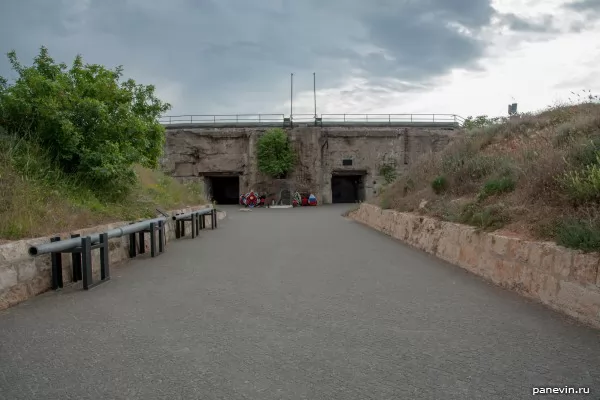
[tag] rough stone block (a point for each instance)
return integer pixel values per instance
(8, 277)
(40, 283)
(519, 250)
(563, 263)
(468, 257)
(498, 244)
(13, 251)
(582, 301)
(43, 262)
(26, 270)
(585, 268)
(14, 295)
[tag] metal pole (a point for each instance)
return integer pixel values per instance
(291, 95)
(315, 91)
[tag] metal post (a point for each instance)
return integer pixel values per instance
(86, 257)
(104, 258)
(161, 236)
(177, 230)
(315, 92)
(132, 245)
(56, 259)
(76, 263)
(193, 225)
(142, 240)
(153, 239)
(197, 224)
(182, 229)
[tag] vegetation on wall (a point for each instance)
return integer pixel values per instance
(276, 156)
(388, 173)
(79, 146)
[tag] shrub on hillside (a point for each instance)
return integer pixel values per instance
(439, 184)
(276, 157)
(93, 125)
(497, 186)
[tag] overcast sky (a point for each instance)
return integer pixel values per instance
(465, 57)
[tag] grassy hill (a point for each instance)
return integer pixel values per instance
(37, 198)
(536, 176)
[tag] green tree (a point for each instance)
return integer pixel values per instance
(481, 121)
(91, 123)
(276, 157)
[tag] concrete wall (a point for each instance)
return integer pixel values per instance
(23, 276)
(192, 153)
(565, 280)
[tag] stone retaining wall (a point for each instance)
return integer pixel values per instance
(23, 276)
(565, 280)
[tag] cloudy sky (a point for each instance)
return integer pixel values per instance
(466, 57)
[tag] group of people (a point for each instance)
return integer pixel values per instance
(253, 199)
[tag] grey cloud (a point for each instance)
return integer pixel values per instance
(585, 5)
(518, 24)
(234, 56)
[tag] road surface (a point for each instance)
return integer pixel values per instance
(291, 304)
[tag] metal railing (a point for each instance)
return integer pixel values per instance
(81, 248)
(393, 118)
(197, 221)
(222, 119)
(319, 120)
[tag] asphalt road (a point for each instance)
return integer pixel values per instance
(291, 304)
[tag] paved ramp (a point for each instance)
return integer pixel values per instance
(291, 304)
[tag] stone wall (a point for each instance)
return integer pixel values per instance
(23, 276)
(192, 153)
(565, 280)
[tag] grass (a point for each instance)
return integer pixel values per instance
(537, 175)
(37, 199)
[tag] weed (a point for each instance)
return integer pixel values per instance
(388, 172)
(578, 234)
(37, 198)
(488, 218)
(439, 184)
(497, 186)
(583, 185)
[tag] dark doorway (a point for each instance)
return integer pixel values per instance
(346, 188)
(224, 189)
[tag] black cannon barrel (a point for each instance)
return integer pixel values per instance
(62, 245)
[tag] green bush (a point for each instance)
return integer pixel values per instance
(276, 157)
(584, 154)
(488, 218)
(388, 172)
(439, 184)
(578, 234)
(583, 185)
(497, 186)
(92, 125)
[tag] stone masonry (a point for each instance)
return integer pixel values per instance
(195, 152)
(565, 280)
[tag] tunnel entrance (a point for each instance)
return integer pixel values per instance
(346, 188)
(223, 189)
